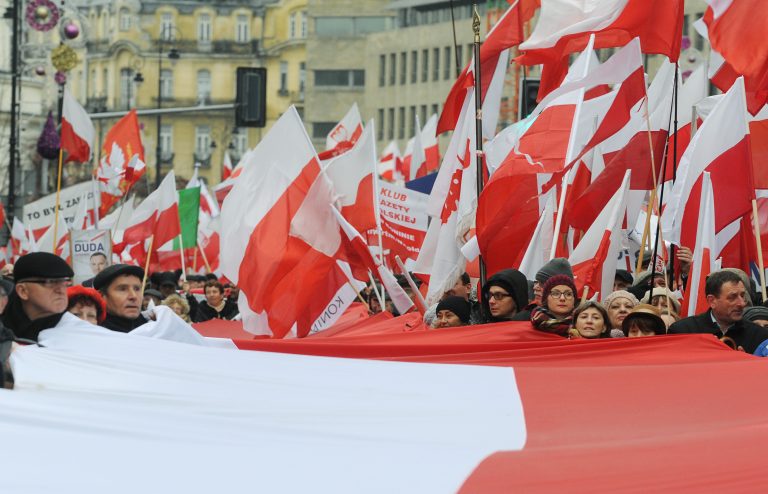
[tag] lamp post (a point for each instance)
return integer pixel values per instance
(173, 55)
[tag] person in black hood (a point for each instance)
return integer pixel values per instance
(40, 296)
(505, 296)
(120, 285)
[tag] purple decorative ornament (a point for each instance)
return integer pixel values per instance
(48, 144)
(686, 43)
(42, 15)
(71, 30)
(60, 78)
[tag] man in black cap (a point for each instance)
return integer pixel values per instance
(40, 296)
(120, 285)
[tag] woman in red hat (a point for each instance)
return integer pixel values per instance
(87, 304)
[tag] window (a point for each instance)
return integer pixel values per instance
(92, 84)
(240, 140)
(320, 130)
(412, 121)
(401, 122)
(105, 82)
(686, 24)
(423, 114)
(380, 125)
(166, 83)
(698, 41)
(350, 26)
(470, 52)
(414, 66)
(204, 28)
(403, 66)
(203, 141)
(242, 29)
(459, 53)
(126, 88)
(424, 65)
(340, 78)
(104, 25)
(382, 70)
(391, 124)
(447, 63)
(283, 77)
(203, 86)
(392, 68)
(303, 24)
(436, 109)
(292, 26)
(436, 64)
(167, 29)
(125, 19)
(302, 79)
(166, 140)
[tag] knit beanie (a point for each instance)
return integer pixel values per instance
(558, 265)
(557, 280)
(619, 294)
(457, 305)
(755, 312)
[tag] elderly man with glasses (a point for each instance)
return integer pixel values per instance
(40, 296)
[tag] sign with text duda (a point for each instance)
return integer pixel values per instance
(403, 222)
(41, 213)
(91, 252)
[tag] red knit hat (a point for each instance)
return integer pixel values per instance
(77, 293)
(557, 280)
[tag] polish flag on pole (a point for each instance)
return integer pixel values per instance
(77, 132)
(353, 177)
(358, 253)
(19, 239)
(537, 253)
(703, 253)
(280, 240)
(593, 260)
(721, 147)
(226, 166)
(506, 33)
(389, 162)
(431, 148)
(157, 215)
(416, 163)
(45, 243)
(344, 135)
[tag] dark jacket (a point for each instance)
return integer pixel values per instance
(746, 334)
(17, 321)
(515, 283)
(122, 324)
(205, 312)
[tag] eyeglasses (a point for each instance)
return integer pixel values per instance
(499, 296)
(50, 282)
(558, 294)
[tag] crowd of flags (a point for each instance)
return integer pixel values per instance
(299, 229)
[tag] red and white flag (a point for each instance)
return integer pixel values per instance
(389, 162)
(226, 166)
(46, 242)
(721, 147)
(122, 162)
(564, 27)
(344, 135)
(77, 132)
(538, 252)
(353, 175)
(507, 32)
(357, 252)
(703, 252)
(157, 215)
(592, 260)
(431, 146)
(280, 240)
(20, 241)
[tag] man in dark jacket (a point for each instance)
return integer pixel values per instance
(215, 305)
(505, 296)
(40, 296)
(120, 285)
(726, 296)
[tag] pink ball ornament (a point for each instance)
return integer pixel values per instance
(40, 70)
(71, 30)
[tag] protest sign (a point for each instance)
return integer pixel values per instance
(91, 252)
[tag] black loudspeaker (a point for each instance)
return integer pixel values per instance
(251, 102)
(530, 89)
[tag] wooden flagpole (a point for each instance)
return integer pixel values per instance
(58, 199)
(146, 265)
(205, 259)
(421, 304)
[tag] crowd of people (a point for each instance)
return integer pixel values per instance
(637, 307)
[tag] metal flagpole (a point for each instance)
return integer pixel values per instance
(480, 157)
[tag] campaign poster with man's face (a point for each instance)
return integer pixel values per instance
(91, 253)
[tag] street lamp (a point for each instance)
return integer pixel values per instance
(173, 56)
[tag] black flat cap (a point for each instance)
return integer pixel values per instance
(153, 293)
(105, 277)
(41, 265)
